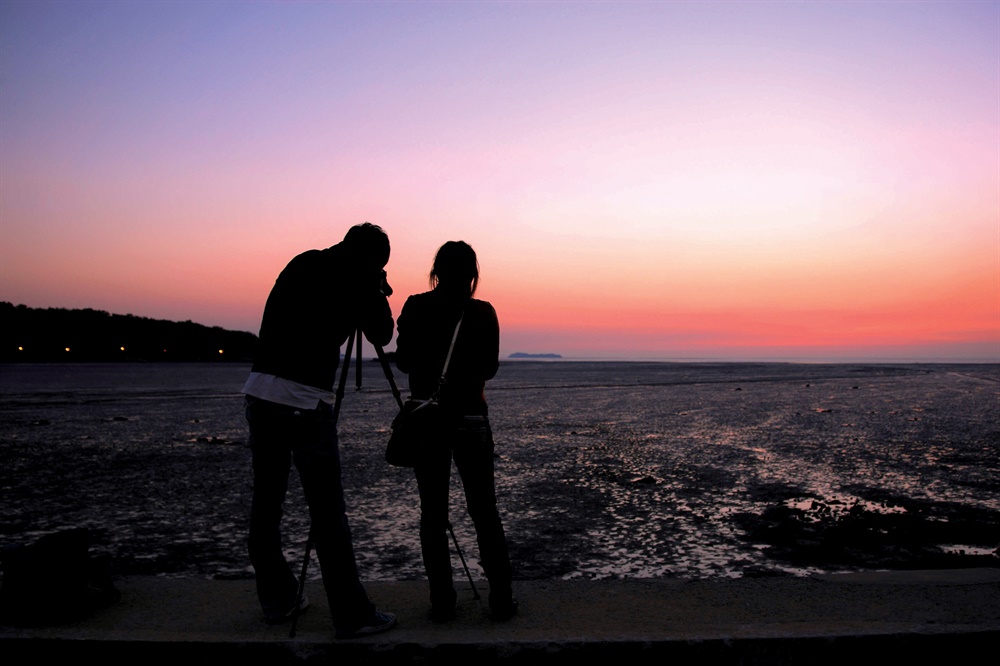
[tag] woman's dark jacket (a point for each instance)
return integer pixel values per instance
(425, 328)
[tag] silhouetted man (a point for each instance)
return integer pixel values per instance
(318, 300)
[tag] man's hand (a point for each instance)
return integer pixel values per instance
(384, 285)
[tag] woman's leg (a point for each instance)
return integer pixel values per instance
(473, 450)
(433, 476)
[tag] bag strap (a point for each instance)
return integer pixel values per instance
(447, 360)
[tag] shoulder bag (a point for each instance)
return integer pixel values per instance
(419, 422)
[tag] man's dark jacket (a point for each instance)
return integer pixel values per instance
(317, 301)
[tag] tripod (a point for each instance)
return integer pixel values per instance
(355, 336)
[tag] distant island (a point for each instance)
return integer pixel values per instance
(57, 334)
(527, 355)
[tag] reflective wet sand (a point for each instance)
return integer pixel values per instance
(603, 469)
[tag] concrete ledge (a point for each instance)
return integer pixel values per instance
(825, 619)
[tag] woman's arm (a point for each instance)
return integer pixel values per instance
(486, 357)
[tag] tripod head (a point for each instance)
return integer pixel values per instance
(356, 335)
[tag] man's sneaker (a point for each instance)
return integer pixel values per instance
(278, 618)
(378, 623)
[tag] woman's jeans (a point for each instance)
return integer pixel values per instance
(280, 435)
(471, 446)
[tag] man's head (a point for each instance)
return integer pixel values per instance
(368, 245)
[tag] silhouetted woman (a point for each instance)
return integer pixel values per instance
(426, 325)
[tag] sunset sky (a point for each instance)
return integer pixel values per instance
(723, 180)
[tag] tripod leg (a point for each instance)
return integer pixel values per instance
(388, 375)
(343, 377)
(458, 549)
(357, 362)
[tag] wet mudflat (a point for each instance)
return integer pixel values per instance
(603, 469)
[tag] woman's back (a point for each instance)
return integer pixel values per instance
(425, 328)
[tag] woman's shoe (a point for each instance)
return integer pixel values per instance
(442, 613)
(443, 600)
(503, 608)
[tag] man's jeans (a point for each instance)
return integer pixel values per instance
(280, 435)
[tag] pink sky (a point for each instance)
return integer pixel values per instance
(669, 180)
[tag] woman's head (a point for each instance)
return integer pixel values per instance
(455, 267)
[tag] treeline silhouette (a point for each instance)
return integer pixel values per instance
(57, 334)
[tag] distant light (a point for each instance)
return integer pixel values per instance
(20, 348)
(122, 348)
(67, 348)
(220, 351)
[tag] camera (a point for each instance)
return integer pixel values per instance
(383, 286)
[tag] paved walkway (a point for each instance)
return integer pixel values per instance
(863, 617)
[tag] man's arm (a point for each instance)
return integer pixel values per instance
(376, 320)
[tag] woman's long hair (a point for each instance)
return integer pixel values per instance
(456, 268)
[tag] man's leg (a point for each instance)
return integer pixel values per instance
(317, 458)
(269, 433)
